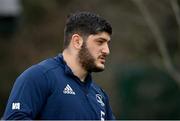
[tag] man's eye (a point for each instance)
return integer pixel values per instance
(100, 42)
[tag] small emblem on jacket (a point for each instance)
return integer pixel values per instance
(68, 90)
(99, 99)
(16, 106)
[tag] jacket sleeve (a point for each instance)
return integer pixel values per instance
(28, 95)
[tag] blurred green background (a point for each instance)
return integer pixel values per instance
(142, 75)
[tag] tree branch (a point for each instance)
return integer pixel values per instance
(175, 7)
(160, 40)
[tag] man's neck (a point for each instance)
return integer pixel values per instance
(73, 62)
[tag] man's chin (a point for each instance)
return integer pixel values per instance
(98, 69)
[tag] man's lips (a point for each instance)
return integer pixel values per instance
(102, 59)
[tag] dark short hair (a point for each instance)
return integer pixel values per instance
(85, 23)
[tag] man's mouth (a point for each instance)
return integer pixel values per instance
(102, 59)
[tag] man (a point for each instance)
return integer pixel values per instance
(61, 87)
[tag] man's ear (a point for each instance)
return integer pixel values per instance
(77, 41)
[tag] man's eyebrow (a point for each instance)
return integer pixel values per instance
(101, 38)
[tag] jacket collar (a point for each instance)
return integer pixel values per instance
(68, 71)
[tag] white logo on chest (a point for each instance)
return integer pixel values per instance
(99, 99)
(68, 90)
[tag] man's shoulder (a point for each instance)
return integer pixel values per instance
(41, 68)
(48, 64)
(38, 74)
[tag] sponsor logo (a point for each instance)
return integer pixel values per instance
(16, 106)
(68, 90)
(99, 99)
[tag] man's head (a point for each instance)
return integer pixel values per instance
(88, 34)
(84, 24)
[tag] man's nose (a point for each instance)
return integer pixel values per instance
(106, 49)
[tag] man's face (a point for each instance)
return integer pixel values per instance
(94, 51)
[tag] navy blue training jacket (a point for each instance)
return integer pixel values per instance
(49, 90)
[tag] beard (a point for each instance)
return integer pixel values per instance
(87, 61)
